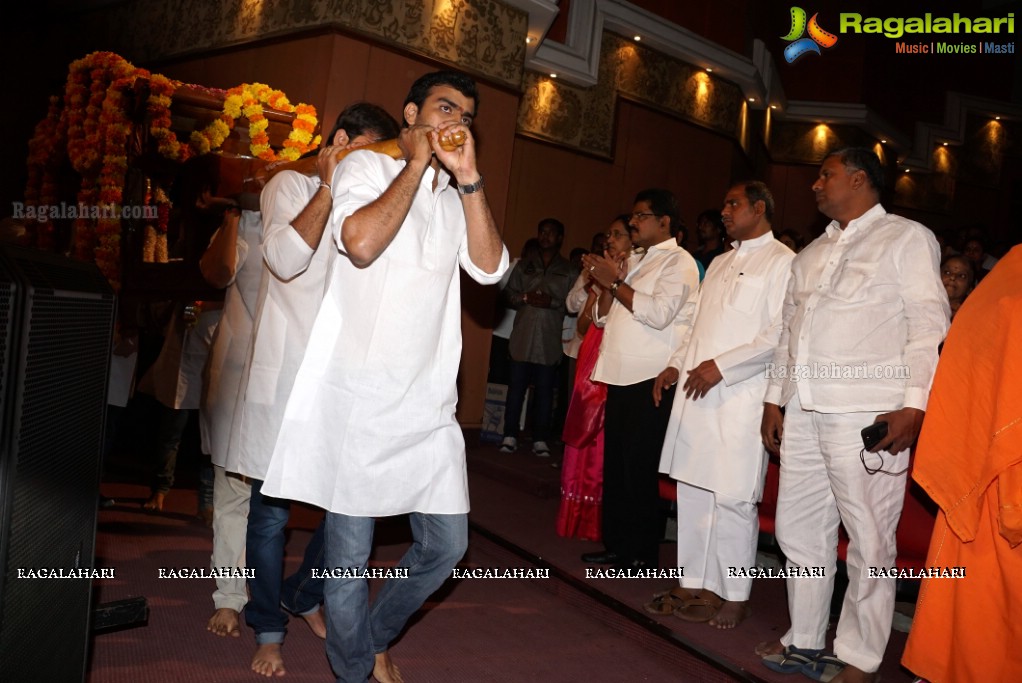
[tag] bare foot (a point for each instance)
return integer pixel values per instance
(155, 502)
(851, 674)
(316, 622)
(224, 622)
(385, 671)
(731, 614)
(268, 661)
(769, 647)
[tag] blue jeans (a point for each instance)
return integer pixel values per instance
(542, 378)
(264, 552)
(356, 633)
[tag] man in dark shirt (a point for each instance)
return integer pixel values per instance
(537, 289)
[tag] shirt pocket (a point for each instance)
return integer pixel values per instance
(852, 281)
(747, 293)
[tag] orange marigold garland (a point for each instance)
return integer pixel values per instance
(161, 92)
(42, 157)
(247, 100)
(91, 125)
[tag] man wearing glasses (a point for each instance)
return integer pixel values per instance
(643, 308)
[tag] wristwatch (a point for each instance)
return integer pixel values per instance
(614, 285)
(471, 188)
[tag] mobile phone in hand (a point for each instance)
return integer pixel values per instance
(873, 434)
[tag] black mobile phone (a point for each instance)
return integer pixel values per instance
(873, 434)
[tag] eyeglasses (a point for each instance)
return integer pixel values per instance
(639, 215)
(955, 276)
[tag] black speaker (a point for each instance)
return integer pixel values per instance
(56, 323)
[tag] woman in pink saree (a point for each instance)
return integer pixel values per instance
(582, 469)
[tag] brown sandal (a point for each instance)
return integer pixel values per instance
(666, 602)
(700, 609)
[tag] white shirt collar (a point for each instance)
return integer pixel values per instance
(755, 242)
(856, 224)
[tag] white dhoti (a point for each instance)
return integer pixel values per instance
(823, 483)
(716, 535)
(231, 494)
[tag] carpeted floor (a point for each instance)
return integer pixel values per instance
(564, 628)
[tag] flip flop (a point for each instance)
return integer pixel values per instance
(791, 661)
(699, 609)
(665, 603)
(823, 668)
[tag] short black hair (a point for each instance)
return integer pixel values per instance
(713, 217)
(552, 222)
(662, 203)
(364, 117)
(865, 160)
(757, 191)
(421, 88)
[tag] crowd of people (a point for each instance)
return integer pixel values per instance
(696, 366)
(700, 378)
(327, 263)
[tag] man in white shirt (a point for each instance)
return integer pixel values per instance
(713, 447)
(297, 254)
(370, 427)
(233, 261)
(644, 311)
(863, 315)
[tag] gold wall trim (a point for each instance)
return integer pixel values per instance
(486, 37)
(583, 118)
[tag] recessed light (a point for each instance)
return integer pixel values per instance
(528, 39)
(773, 106)
(997, 118)
(638, 38)
(883, 142)
(709, 70)
(945, 144)
(553, 75)
(752, 99)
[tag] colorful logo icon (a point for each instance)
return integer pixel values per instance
(800, 46)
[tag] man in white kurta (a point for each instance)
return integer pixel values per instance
(713, 447)
(232, 260)
(370, 428)
(297, 253)
(863, 315)
(646, 316)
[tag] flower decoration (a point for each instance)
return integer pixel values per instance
(248, 100)
(90, 127)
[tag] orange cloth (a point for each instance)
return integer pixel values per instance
(969, 460)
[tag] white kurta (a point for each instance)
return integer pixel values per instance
(370, 427)
(291, 284)
(714, 442)
(231, 342)
(638, 344)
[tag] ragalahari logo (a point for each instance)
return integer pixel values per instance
(800, 46)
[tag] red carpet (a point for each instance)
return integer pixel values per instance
(564, 628)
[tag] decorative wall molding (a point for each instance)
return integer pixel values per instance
(486, 37)
(583, 117)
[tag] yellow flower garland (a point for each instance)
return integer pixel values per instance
(91, 126)
(247, 100)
